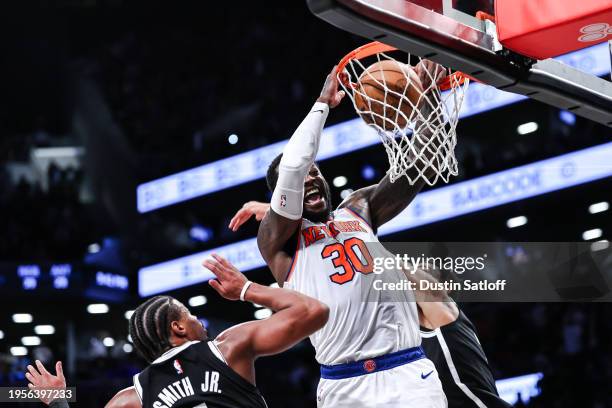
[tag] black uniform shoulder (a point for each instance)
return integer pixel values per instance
(192, 374)
(462, 365)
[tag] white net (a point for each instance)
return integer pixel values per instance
(415, 119)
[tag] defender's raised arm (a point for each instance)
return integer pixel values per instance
(297, 316)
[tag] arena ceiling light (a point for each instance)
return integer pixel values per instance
(527, 128)
(345, 193)
(368, 172)
(19, 351)
(108, 341)
(232, 139)
(44, 329)
(1, 334)
(599, 207)
(567, 117)
(197, 301)
(201, 233)
(22, 318)
(600, 245)
(128, 314)
(516, 221)
(97, 308)
(592, 234)
(127, 348)
(340, 181)
(93, 248)
(263, 314)
(30, 341)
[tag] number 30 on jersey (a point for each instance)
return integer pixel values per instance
(345, 256)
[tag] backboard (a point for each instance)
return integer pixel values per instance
(449, 33)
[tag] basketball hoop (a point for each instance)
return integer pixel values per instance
(419, 134)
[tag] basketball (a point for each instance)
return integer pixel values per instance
(375, 106)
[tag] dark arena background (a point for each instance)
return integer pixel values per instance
(98, 98)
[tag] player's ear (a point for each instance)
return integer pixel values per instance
(178, 329)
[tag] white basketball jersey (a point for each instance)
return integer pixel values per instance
(333, 263)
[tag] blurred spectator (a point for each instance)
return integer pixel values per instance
(49, 224)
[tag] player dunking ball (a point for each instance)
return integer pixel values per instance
(449, 338)
(369, 350)
(186, 369)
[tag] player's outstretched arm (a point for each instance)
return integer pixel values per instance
(382, 202)
(297, 316)
(299, 154)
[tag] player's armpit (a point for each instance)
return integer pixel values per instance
(389, 199)
(358, 202)
(126, 398)
(382, 202)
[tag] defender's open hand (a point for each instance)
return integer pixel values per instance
(40, 378)
(249, 209)
(229, 280)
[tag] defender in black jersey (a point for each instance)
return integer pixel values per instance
(462, 365)
(449, 339)
(192, 374)
(189, 370)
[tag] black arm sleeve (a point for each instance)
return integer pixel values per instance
(59, 403)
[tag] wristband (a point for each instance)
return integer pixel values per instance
(244, 289)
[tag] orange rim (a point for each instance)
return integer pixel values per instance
(455, 79)
(481, 15)
(375, 47)
(364, 51)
